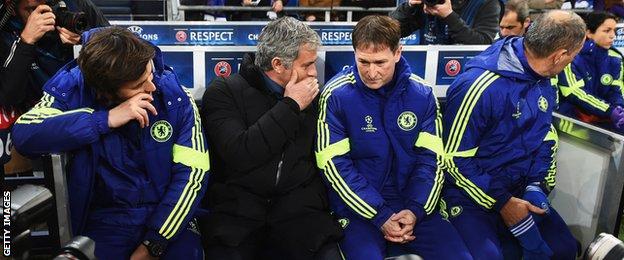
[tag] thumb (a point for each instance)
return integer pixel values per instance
(293, 78)
(535, 209)
(396, 217)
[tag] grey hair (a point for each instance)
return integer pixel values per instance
(282, 38)
(553, 31)
(521, 7)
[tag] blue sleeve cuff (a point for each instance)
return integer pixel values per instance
(99, 119)
(419, 211)
(501, 201)
(383, 214)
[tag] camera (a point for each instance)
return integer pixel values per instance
(73, 21)
(79, 248)
(433, 2)
(605, 247)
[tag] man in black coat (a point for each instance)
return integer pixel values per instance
(266, 198)
(449, 21)
(34, 45)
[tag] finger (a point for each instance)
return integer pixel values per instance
(43, 9)
(394, 239)
(138, 117)
(426, 9)
(47, 28)
(63, 31)
(293, 78)
(68, 32)
(48, 21)
(48, 15)
(406, 230)
(406, 221)
(396, 217)
(316, 92)
(409, 238)
(144, 96)
(315, 83)
(145, 116)
(150, 107)
(535, 209)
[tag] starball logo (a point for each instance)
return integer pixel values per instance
(138, 30)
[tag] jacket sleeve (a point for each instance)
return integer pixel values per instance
(333, 158)
(572, 89)
(51, 127)
(240, 146)
(14, 72)
(469, 114)
(411, 18)
(188, 178)
(613, 79)
(484, 28)
(544, 167)
(425, 183)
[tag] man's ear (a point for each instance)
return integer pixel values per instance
(277, 65)
(526, 23)
(558, 56)
(397, 53)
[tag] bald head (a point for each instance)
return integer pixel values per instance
(555, 30)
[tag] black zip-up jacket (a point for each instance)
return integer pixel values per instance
(254, 134)
(482, 30)
(252, 131)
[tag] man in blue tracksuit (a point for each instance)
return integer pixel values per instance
(591, 86)
(380, 150)
(500, 145)
(138, 159)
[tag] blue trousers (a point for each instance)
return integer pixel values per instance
(487, 237)
(116, 242)
(436, 238)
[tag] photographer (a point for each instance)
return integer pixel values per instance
(449, 21)
(34, 45)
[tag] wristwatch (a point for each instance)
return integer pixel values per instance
(154, 248)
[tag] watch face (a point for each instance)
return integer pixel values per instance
(155, 249)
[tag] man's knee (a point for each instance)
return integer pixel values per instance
(565, 248)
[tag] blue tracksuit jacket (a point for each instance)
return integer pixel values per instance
(153, 176)
(367, 138)
(497, 127)
(592, 82)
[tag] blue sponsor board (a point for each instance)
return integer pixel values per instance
(235, 34)
(451, 64)
(182, 64)
(619, 37)
(335, 61)
(222, 64)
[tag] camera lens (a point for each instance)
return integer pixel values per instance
(605, 247)
(75, 22)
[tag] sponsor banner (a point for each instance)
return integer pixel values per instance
(619, 36)
(234, 34)
(182, 64)
(336, 61)
(222, 64)
(451, 63)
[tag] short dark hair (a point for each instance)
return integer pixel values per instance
(520, 7)
(593, 20)
(378, 31)
(111, 57)
(555, 30)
